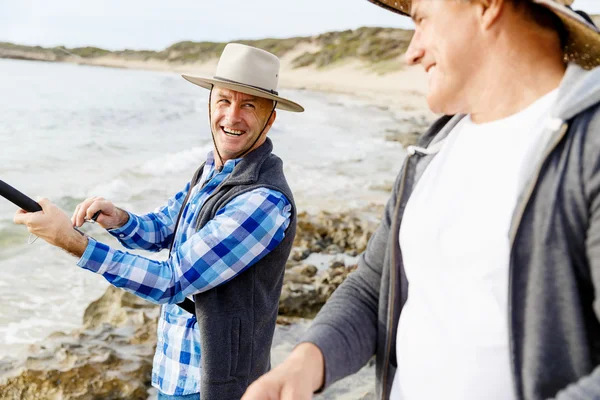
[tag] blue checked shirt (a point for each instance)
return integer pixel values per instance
(242, 232)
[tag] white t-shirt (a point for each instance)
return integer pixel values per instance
(452, 340)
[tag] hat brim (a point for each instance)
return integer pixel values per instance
(208, 83)
(583, 39)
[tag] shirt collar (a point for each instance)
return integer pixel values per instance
(227, 168)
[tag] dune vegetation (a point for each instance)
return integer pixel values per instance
(367, 44)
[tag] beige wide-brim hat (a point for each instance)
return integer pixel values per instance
(583, 39)
(248, 70)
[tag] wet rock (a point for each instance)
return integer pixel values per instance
(305, 289)
(295, 277)
(109, 358)
(334, 249)
(332, 278)
(299, 253)
(345, 232)
(404, 138)
(386, 186)
(303, 295)
(408, 130)
(306, 270)
(291, 263)
(299, 299)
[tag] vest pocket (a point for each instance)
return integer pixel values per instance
(236, 328)
(226, 342)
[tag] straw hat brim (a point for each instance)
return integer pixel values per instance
(208, 83)
(583, 40)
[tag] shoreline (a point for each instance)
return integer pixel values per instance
(400, 88)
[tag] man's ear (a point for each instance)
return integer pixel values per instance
(490, 11)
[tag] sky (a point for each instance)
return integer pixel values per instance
(156, 24)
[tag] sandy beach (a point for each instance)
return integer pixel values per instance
(403, 88)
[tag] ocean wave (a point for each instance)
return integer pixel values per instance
(117, 188)
(176, 162)
(26, 330)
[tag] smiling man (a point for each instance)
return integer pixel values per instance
(482, 281)
(229, 231)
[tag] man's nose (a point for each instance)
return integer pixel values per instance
(233, 114)
(415, 52)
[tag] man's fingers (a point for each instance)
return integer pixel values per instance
(74, 216)
(264, 388)
(44, 203)
(291, 392)
(20, 217)
(261, 391)
(90, 206)
(98, 205)
(28, 219)
(82, 210)
(23, 217)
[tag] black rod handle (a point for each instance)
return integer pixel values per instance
(14, 196)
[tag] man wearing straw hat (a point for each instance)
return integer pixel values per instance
(229, 231)
(483, 279)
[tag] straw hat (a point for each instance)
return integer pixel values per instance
(583, 39)
(249, 70)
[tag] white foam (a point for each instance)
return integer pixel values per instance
(31, 330)
(176, 162)
(115, 189)
(322, 260)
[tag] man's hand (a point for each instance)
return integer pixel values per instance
(111, 217)
(297, 378)
(54, 226)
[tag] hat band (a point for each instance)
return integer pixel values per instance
(245, 84)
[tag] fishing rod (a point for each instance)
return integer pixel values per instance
(18, 198)
(28, 204)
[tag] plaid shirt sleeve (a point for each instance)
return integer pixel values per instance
(242, 232)
(153, 231)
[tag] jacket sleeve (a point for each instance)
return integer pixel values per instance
(345, 330)
(588, 387)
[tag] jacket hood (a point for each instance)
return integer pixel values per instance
(578, 91)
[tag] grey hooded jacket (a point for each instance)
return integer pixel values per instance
(554, 271)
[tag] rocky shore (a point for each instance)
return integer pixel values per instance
(110, 357)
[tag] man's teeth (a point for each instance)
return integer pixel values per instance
(232, 132)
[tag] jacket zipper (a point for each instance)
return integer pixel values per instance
(393, 271)
(515, 225)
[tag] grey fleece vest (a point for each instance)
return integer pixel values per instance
(237, 319)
